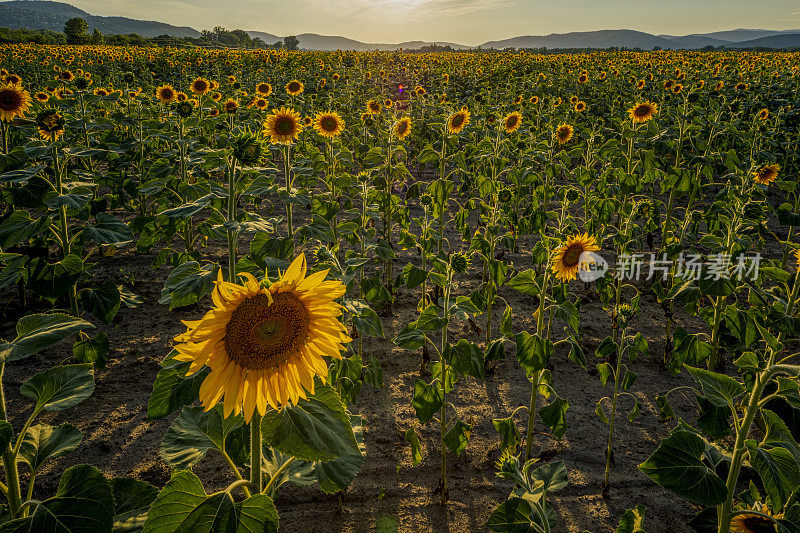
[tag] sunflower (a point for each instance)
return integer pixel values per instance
(741, 86)
(50, 124)
(512, 122)
(766, 174)
(754, 523)
(294, 87)
(534, 100)
(458, 121)
(41, 96)
(99, 91)
(373, 107)
(643, 112)
(402, 128)
(14, 101)
(166, 94)
(283, 126)
(260, 104)
(328, 124)
(566, 260)
(65, 75)
(797, 259)
(265, 345)
(580, 106)
(231, 106)
(763, 114)
(564, 133)
(264, 89)
(200, 86)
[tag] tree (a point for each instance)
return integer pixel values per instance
(97, 37)
(291, 42)
(75, 30)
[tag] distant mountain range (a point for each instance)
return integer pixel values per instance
(43, 14)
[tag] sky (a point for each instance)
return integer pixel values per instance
(469, 22)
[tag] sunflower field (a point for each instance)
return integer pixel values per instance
(385, 291)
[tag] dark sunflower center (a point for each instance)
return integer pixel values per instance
(374, 106)
(511, 122)
(263, 88)
(200, 85)
(402, 128)
(294, 87)
(284, 126)
(563, 133)
(458, 120)
(572, 255)
(9, 100)
(166, 94)
(757, 524)
(328, 123)
(260, 335)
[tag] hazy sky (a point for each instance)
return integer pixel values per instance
(468, 22)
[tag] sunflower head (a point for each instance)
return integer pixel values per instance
(283, 126)
(564, 133)
(328, 124)
(580, 106)
(294, 87)
(165, 93)
(402, 128)
(458, 121)
(231, 106)
(50, 124)
(567, 259)
(14, 102)
(763, 114)
(766, 174)
(265, 343)
(754, 523)
(264, 89)
(248, 148)
(512, 122)
(200, 86)
(373, 107)
(643, 112)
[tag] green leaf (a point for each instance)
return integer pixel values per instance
(508, 431)
(416, 449)
(721, 390)
(92, 350)
(108, 229)
(334, 476)
(6, 432)
(43, 442)
(466, 358)
(525, 282)
(632, 520)
(183, 506)
(414, 276)
(457, 437)
(38, 332)
(316, 429)
(368, 322)
(187, 284)
(132, 499)
(553, 475)
(19, 228)
(554, 416)
(60, 387)
(511, 516)
(83, 503)
(194, 432)
(677, 466)
(778, 471)
(533, 352)
(51, 281)
(172, 389)
(427, 400)
(103, 301)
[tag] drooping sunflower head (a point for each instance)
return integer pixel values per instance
(65, 75)
(166, 94)
(82, 83)
(283, 126)
(766, 174)
(512, 122)
(402, 128)
(50, 124)
(14, 102)
(264, 89)
(265, 344)
(183, 109)
(643, 112)
(200, 86)
(294, 87)
(754, 523)
(567, 258)
(458, 121)
(248, 148)
(564, 133)
(328, 124)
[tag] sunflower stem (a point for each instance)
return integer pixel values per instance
(255, 451)
(14, 495)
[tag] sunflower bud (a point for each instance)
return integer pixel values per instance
(572, 195)
(184, 109)
(248, 149)
(128, 77)
(459, 263)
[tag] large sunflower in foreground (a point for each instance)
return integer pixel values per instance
(642, 112)
(766, 174)
(458, 121)
(328, 124)
(14, 102)
(754, 523)
(263, 344)
(566, 260)
(512, 122)
(283, 126)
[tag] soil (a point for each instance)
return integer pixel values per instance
(389, 494)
